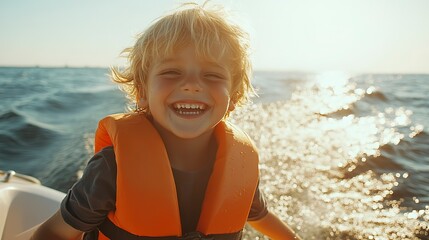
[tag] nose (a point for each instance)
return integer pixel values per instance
(192, 83)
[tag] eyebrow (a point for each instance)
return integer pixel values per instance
(168, 60)
(212, 63)
(163, 61)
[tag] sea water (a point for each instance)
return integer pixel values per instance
(341, 156)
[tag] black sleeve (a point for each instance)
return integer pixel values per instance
(88, 202)
(259, 206)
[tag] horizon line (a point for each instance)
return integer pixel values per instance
(274, 70)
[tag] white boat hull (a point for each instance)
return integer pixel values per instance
(23, 206)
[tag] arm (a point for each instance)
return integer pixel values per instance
(273, 227)
(95, 190)
(56, 228)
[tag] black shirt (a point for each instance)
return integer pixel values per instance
(92, 197)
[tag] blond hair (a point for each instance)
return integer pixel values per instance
(206, 30)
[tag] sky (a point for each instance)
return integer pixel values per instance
(365, 36)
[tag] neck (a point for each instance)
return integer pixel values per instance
(189, 154)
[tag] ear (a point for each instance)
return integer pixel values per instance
(141, 100)
(231, 106)
(142, 103)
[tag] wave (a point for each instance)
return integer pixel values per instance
(18, 132)
(360, 103)
(57, 107)
(382, 163)
(73, 100)
(375, 94)
(343, 112)
(391, 155)
(10, 115)
(420, 133)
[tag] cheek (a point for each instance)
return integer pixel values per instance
(221, 88)
(157, 88)
(227, 90)
(221, 93)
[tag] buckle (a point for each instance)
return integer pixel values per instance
(195, 236)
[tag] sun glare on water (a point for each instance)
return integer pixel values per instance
(314, 151)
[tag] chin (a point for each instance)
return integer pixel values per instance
(188, 136)
(191, 133)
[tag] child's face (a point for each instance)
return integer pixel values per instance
(187, 95)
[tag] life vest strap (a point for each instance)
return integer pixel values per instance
(113, 232)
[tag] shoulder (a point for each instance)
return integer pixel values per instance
(106, 153)
(237, 132)
(101, 166)
(88, 202)
(236, 139)
(105, 159)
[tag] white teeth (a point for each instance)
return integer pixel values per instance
(188, 113)
(189, 106)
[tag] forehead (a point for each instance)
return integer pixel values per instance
(212, 57)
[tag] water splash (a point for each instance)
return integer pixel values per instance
(311, 160)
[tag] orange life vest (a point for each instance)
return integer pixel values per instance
(146, 198)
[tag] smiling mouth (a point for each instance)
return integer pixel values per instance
(189, 109)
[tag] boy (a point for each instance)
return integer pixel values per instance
(174, 169)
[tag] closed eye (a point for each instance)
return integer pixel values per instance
(214, 77)
(171, 73)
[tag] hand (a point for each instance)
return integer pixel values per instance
(273, 227)
(56, 228)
